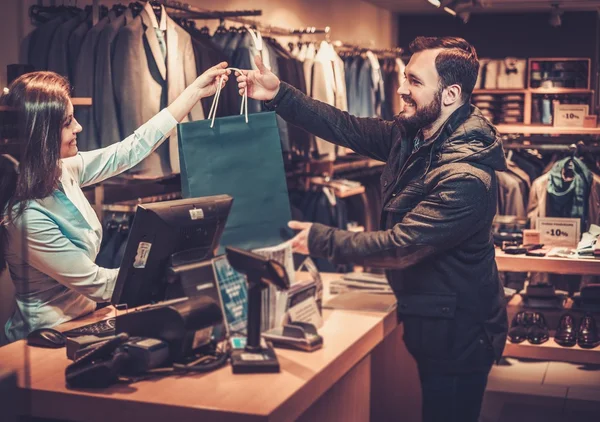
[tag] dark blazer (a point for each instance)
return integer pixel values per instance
(83, 84)
(40, 41)
(58, 56)
(105, 111)
(435, 235)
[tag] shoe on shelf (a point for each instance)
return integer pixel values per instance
(587, 334)
(566, 332)
(519, 327)
(538, 332)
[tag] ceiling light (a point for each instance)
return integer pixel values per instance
(452, 12)
(436, 3)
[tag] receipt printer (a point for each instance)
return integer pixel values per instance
(184, 323)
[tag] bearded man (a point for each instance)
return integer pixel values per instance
(434, 241)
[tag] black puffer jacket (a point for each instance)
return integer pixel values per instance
(435, 237)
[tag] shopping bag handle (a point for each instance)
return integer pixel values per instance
(213, 108)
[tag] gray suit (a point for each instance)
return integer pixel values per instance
(74, 46)
(105, 111)
(39, 42)
(145, 82)
(58, 56)
(83, 83)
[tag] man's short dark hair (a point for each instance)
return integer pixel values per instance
(457, 63)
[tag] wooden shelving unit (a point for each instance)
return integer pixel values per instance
(81, 101)
(506, 129)
(523, 263)
(549, 350)
(500, 91)
(560, 91)
(552, 351)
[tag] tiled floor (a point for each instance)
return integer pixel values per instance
(534, 391)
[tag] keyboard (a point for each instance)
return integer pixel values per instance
(102, 328)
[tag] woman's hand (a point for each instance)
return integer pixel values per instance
(207, 82)
(262, 84)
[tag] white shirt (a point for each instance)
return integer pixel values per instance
(59, 280)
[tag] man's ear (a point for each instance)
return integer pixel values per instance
(452, 95)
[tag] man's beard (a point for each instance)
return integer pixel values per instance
(424, 116)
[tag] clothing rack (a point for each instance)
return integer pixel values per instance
(191, 12)
(394, 51)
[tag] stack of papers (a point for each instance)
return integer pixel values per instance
(274, 301)
(361, 282)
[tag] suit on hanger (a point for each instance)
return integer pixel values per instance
(105, 112)
(40, 41)
(145, 81)
(84, 86)
(74, 46)
(58, 56)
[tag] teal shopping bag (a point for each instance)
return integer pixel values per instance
(241, 157)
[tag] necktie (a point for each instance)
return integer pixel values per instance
(161, 42)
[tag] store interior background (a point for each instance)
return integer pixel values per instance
(517, 28)
(506, 28)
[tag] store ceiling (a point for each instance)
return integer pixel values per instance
(486, 6)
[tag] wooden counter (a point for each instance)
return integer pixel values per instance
(333, 383)
(523, 263)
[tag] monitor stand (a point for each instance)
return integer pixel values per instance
(255, 357)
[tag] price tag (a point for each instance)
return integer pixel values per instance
(570, 115)
(559, 231)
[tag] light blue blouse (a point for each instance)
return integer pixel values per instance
(60, 280)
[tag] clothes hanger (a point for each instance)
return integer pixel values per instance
(157, 8)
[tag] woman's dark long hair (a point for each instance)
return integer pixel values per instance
(41, 100)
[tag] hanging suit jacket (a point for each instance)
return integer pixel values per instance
(83, 83)
(329, 86)
(105, 111)
(144, 82)
(74, 45)
(39, 41)
(58, 55)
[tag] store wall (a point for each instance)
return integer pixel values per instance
(352, 21)
(375, 27)
(502, 35)
(517, 35)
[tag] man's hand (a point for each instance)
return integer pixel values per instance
(300, 242)
(207, 82)
(262, 84)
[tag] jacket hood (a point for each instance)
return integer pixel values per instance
(468, 136)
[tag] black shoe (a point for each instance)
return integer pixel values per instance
(566, 334)
(519, 327)
(538, 332)
(587, 334)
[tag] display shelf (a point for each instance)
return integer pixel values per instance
(507, 129)
(81, 101)
(552, 351)
(555, 91)
(523, 263)
(500, 91)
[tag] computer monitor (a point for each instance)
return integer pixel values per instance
(165, 233)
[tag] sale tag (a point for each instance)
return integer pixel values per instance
(559, 231)
(570, 115)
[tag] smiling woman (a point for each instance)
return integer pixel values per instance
(43, 209)
(68, 136)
